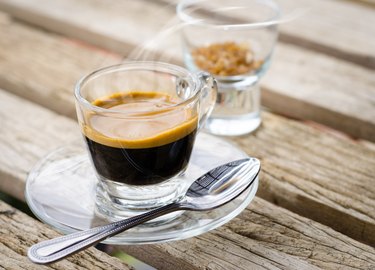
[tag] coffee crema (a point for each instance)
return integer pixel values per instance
(150, 143)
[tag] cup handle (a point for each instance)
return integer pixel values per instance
(207, 98)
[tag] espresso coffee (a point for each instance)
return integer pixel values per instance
(143, 150)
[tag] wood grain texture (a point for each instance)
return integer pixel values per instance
(338, 28)
(300, 199)
(311, 86)
(342, 29)
(54, 63)
(301, 83)
(316, 174)
(239, 240)
(114, 25)
(19, 231)
(247, 236)
(28, 133)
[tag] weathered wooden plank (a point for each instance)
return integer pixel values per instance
(27, 55)
(239, 241)
(27, 134)
(306, 199)
(341, 29)
(274, 228)
(301, 83)
(19, 231)
(338, 28)
(307, 85)
(115, 25)
(317, 174)
(347, 34)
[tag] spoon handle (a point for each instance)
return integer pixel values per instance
(60, 247)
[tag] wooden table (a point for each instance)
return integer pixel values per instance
(315, 207)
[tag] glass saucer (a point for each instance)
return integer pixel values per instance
(60, 192)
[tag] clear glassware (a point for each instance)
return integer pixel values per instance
(234, 41)
(139, 121)
(60, 190)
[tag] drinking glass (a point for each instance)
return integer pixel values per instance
(233, 40)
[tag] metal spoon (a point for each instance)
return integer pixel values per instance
(213, 189)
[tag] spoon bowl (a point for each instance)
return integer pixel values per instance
(221, 185)
(213, 189)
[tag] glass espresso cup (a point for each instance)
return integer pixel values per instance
(139, 121)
